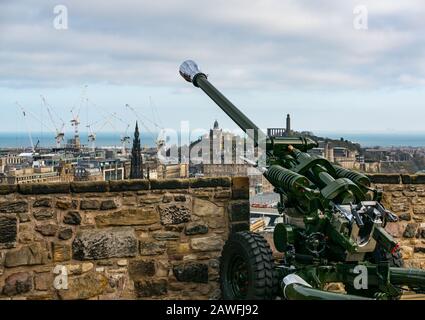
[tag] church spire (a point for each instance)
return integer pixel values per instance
(136, 169)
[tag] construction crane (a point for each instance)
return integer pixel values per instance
(24, 113)
(160, 140)
(92, 134)
(155, 115)
(91, 138)
(75, 122)
(60, 135)
(125, 138)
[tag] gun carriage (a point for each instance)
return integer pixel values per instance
(341, 235)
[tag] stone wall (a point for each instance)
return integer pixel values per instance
(136, 239)
(405, 196)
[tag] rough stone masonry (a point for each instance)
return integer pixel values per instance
(136, 239)
(405, 195)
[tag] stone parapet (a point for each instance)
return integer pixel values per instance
(133, 239)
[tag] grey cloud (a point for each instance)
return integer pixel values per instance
(270, 44)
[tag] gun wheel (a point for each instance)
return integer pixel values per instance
(246, 268)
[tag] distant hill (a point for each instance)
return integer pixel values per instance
(333, 142)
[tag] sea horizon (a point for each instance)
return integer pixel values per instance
(379, 139)
(112, 139)
(47, 139)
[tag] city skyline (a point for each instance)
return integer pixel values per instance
(308, 60)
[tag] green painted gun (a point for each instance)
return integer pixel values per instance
(333, 227)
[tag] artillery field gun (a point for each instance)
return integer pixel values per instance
(332, 229)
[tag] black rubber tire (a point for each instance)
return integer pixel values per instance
(253, 252)
(379, 255)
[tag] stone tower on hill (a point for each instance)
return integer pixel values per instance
(288, 130)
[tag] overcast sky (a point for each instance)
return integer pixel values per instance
(270, 57)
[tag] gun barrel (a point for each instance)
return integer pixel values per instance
(191, 73)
